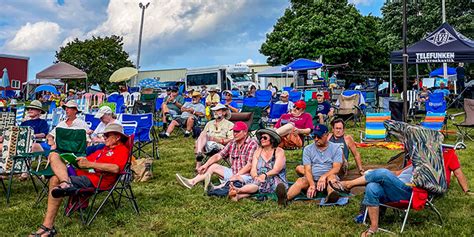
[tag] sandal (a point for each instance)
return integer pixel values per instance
(367, 232)
(59, 192)
(337, 186)
(45, 230)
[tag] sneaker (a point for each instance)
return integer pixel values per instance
(281, 194)
(184, 181)
(163, 135)
(187, 134)
(207, 181)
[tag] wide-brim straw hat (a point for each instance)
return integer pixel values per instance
(221, 106)
(36, 104)
(117, 128)
(270, 132)
(72, 104)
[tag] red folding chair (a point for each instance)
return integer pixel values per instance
(121, 187)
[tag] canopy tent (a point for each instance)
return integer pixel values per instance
(48, 88)
(444, 45)
(439, 72)
(275, 72)
(63, 71)
(302, 64)
(53, 82)
(149, 83)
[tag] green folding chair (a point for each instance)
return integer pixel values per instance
(256, 119)
(67, 141)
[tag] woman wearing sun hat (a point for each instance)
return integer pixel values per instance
(268, 167)
(40, 126)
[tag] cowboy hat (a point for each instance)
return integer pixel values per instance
(36, 104)
(221, 106)
(270, 132)
(196, 93)
(72, 104)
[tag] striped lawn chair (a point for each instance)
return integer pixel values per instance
(435, 121)
(374, 128)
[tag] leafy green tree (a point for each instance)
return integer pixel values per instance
(332, 28)
(98, 57)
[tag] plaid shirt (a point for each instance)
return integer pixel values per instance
(239, 157)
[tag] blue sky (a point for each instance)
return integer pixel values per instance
(177, 34)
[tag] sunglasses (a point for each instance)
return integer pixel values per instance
(264, 138)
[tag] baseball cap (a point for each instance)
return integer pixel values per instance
(240, 126)
(300, 104)
(320, 93)
(103, 110)
(320, 130)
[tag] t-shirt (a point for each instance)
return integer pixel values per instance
(117, 155)
(290, 104)
(100, 128)
(451, 163)
(444, 91)
(303, 121)
(76, 124)
(233, 104)
(213, 98)
(222, 130)
(38, 125)
(321, 161)
(198, 107)
(323, 108)
(406, 175)
(172, 106)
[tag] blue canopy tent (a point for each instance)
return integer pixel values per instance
(439, 72)
(48, 88)
(302, 64)
(149, 83)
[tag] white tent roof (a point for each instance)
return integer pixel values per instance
(53, 82)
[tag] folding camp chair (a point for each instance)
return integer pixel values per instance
(20, 114)
(467, 126)
(16, 155)
(374, 128)
(90, 118)
(276, 110)
(429, 178)
(120, 189)
(250, 102)
(295, 96)
(67, 141)
(335, 93)
(347, 108)
(435, 121)
(145, 134)
(7, 119)
(436, 103)
(264, 97)
(119, 102)
(371, 100)
(256, 117)
(143, 107)
(58, 115)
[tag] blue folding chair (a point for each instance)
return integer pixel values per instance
(158, 103)
(287, 88)
(436, 103)
(145, 133)
(92, 120)
(119, 100)
(264, 97)
(434, 121)
(276, 110)
(295, 96)
(250, 102)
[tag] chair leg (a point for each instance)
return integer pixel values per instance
(437, 212)
(89, 219)
(132, 199)
(10, 182)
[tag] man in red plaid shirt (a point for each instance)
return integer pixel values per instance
(239, 152)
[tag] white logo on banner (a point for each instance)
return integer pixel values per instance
(441, 37)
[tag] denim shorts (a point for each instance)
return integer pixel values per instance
(228, 173)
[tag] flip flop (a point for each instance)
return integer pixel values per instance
(332, 197)
(59, 192)
(337, 186)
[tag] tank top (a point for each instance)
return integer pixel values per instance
(340, 140)
(263, 167)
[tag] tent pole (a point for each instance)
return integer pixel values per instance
(390, 83)
(405, 58)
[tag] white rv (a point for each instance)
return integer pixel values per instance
(226, 77)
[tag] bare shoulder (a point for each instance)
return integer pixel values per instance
(348, 138)
(279, 151)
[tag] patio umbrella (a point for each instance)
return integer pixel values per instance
(48, 88)
(149, 83)
(123, 74)
(5, 81)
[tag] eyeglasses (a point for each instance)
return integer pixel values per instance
(264, 138)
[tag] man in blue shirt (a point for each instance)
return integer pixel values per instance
(40, 126)
(229, 103)
(442, 89)
(322, 161)
(324, 111)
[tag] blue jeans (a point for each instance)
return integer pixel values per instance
(383, 186)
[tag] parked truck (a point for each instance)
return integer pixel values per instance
(225, 77)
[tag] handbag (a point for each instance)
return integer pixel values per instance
(141, 169)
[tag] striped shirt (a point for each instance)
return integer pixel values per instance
(239, 156)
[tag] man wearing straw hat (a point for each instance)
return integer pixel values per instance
(71, 122)
(213, 98)
(39, 126)
(110, 160)
(71, 95)
(215, 135)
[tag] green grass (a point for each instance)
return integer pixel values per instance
(168, 209)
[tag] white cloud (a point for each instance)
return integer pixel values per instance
(362, 2)
(39, 36)
(248, 62)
